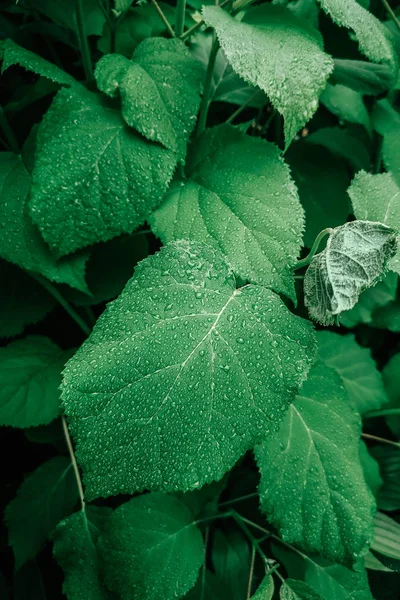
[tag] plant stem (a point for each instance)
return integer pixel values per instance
(203, 572)
(180, 17)
(205, 101)
(239, 499)
(8, 132)
(163, 18)
(61, 300)
(74, 463)
(391, 13)
(199, 24)
(306, 261)
(367, 436)
(386, 412)
(83, 42)
(241, 108)
(240, 521)
(253, 556)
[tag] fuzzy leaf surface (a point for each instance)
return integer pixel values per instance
(46, 496)
(181, 375)
(230, 201)
(279, 52)
(159, 90)
(20, 240)
(354, 259)
(94, 177)
(154, 529)
(30, 377)
(312, 485)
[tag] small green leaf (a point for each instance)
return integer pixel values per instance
(371, 302)
(312, 486)
(377, 198)
(391, 379)
(342, 143)
(364, 77)
(94, 178)
(293, 589)
(75, 541)
(388, 458)
(371, 471)
(46, 496)
(386, 539)
(347, 105)
(15, 312)
(227, 170)
(151, 548)
(159, 90)
(21, 242)
(30, 377)
(372, 36)
(356, 368)
(279, 52)
(265, 590)
(220, 351)
(231, 554)
(13, 54)
(354, 259)
(387, 122)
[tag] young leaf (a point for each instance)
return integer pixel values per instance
(15, 312)
(46, 496)
(364, 77)
(279, 52)
(94, 178)
(75, 540)
(312, 486)
(13, 54)
(151, 548)
(159, 90)
(208, 368)
(293, 589)
(356, 368)
(372, 36)
(265, 590)
(377, 198)
(30, 377)
(347, 105)
(354, 259)
(386, 539)
(226, 171)
(21, 242)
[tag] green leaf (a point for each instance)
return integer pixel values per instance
(30, 376)
(373, 38)
(386, 539)
(94, 178)
(231, 554)
(387, 122)
(354, 259)
(342, 143)
(75, 541)
(159, 90)
(388, 317)
(122, 5)
(13, 54)
(21, 242)
(371, 470)
(356, 368)
(377, 198)
(265, 591)
(364, 77)
(297, 590)
(46, 496)
(390, 375)
(15, 312)
(281, 53)
(28, 584)
(312, 486)
(371, 301)
(388, 458)
(209, 588)
(227, 170)
(64, 14)
(154, 530)
(219, 351)
(322, 181)
(347, 105)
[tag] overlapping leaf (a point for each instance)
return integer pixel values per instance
(240, 198)
(94, 177)
(279, 52)
(181, 375)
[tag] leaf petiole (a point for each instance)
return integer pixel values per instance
(180, 17)
(74, 463)
(83, 43)
(306, 261)
(205, 101)
(375, 438)
(163, 17)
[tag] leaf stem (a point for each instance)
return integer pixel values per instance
(61, 300)
(385, 412)
(199, 24)
(368, 436)
(163, 18)
(74, 463)
(239, 499)
(83, 43)
(240, 521)
(8, 132)
(242, 107)
(306, 261)
(249, 585)
(205, 101)
(180, 17)
(203, 572)
(392, 14)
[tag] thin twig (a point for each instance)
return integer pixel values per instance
(239, 499)
(243, 106)
(74, 463)
(368, 436)
(163, 18)
(306, 261)
(199, 24)
(385, 412)
(249, 585)
(392, 14)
